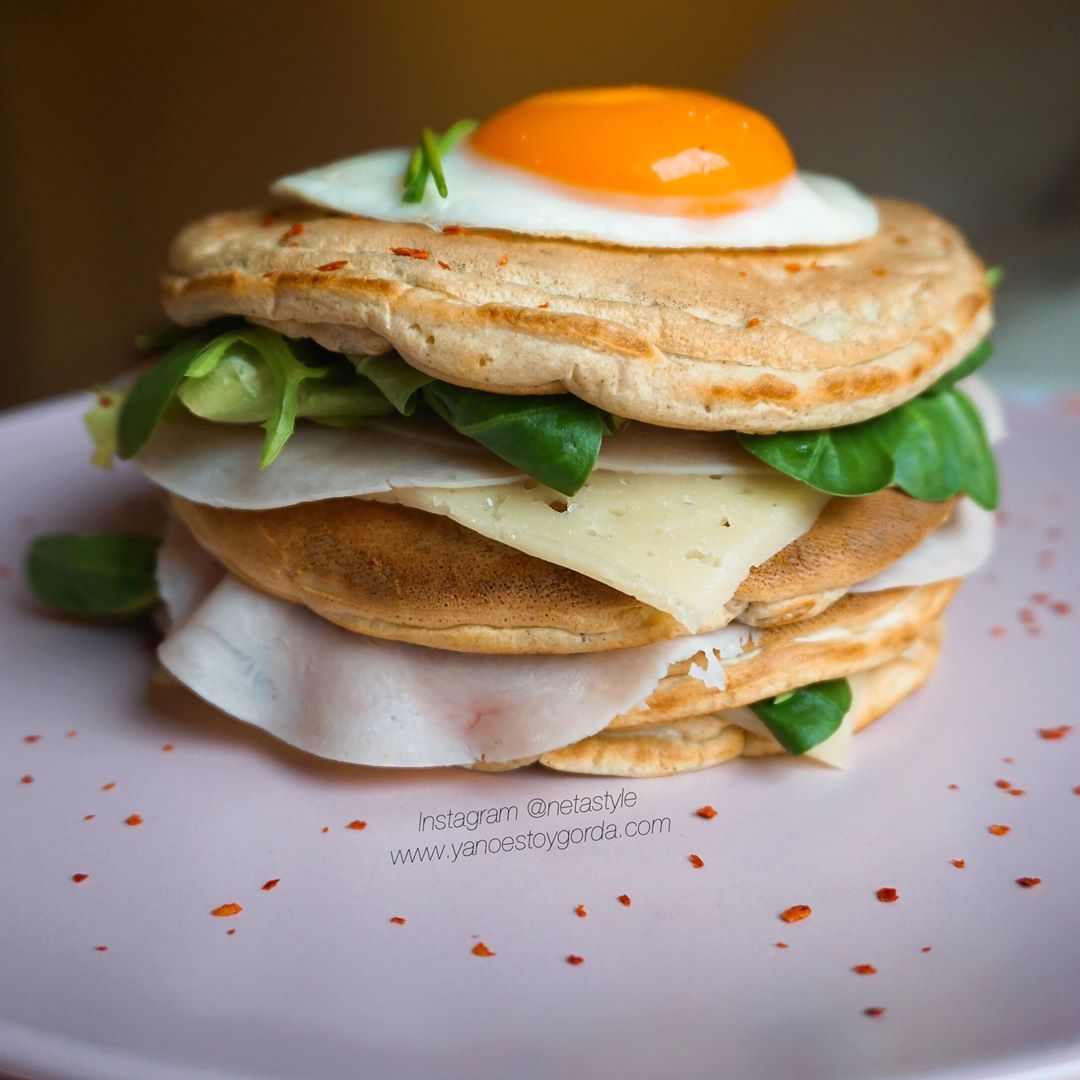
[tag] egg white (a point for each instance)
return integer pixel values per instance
(808, 210)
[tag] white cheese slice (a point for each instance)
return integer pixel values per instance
(682, 544)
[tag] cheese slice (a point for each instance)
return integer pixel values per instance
(682, 544)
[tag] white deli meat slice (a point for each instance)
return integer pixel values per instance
(218, 464)
(357, 699)
(680, 544)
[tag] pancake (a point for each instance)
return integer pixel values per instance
(395, 572)
(753, 341)
(699, 742)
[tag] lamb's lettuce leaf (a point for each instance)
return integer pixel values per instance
(804, 718)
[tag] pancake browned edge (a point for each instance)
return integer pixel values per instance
(748, 341)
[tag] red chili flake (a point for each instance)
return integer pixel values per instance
(480, 949)
(1028, 616)
(27, 779)
(1076, 790)
(545, 304)
(336, 265)
(792, 267)
(1061, 607)
(31, 738)
(454, 230)
(958, 863)
(79, 878)
(1040, 598)
(797, 913)
(230, 932)
(706, 812)
(271, 273)
(326, 828)
(168, 748)
(697, 862)
(1009, 760)
(580, 911)
(879, 271)
(954, 787)
(781, 945)
(226, 911)
(888, 895)
(442, 265)
(864, 969)
(290, 232)
(89, 817)
(874, 1010)
(1055, 732)
(397, 920)
(72, 734)
(357, 824)
(998, 830)
(751, 323)
(109, 786)
(271, 884)
(412, 253)
(133, 819)
(1017, 791)
(1028, 882)
(503, 261)
(926, 948)
(997, 631)
(625, 900)
(575, 960)
(101, 948)
(1005, 784)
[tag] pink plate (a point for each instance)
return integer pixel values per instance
(128, 974)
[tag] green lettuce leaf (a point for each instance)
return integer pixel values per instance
(399, 383)
(804, 718)
(94, 573)
(932, 447)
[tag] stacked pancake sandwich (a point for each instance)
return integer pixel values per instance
(595, 435)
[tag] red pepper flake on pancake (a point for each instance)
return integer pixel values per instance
(480, 949)
(397, 920)
(293, 230)
(27, 779)
(998, 830)
(31, 738)
(412, 253)
(706, 812)
(79, 878)
(101, 948)
(89, 817)
(958, 863)
(1006, 784)
(109, 786)
(780, 945)
(337, 264)
(325, 829)
(874, 1010)
(230, 932)
(954, 787)
(864, 969)
(575, 960)
(580, 911)
(926, 948)
(793, 267)
(997, 631)
(1055, 732)
(72, 734)
(504, 260)
(1028, 882)
(168, 748)
(356, 824)
(272, 884)
(625, 900)
(796, 913)
(226, 911)
(1061, 607)
(696, 861)
(133, 819)
(888, 895)
(454, 230)
(442, 265)
(751, 323)
(1017, 791)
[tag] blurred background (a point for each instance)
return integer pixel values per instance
(121, 121)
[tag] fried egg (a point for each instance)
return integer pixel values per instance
(636, 166)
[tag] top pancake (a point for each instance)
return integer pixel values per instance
(753, 341)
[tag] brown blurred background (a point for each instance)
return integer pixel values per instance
(120, 121)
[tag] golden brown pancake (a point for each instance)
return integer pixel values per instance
(755, 341)
(699, 742)
(399, 573)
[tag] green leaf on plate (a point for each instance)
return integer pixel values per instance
(804, 718)
(94, 573)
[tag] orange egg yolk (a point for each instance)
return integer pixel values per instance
(645, 148)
